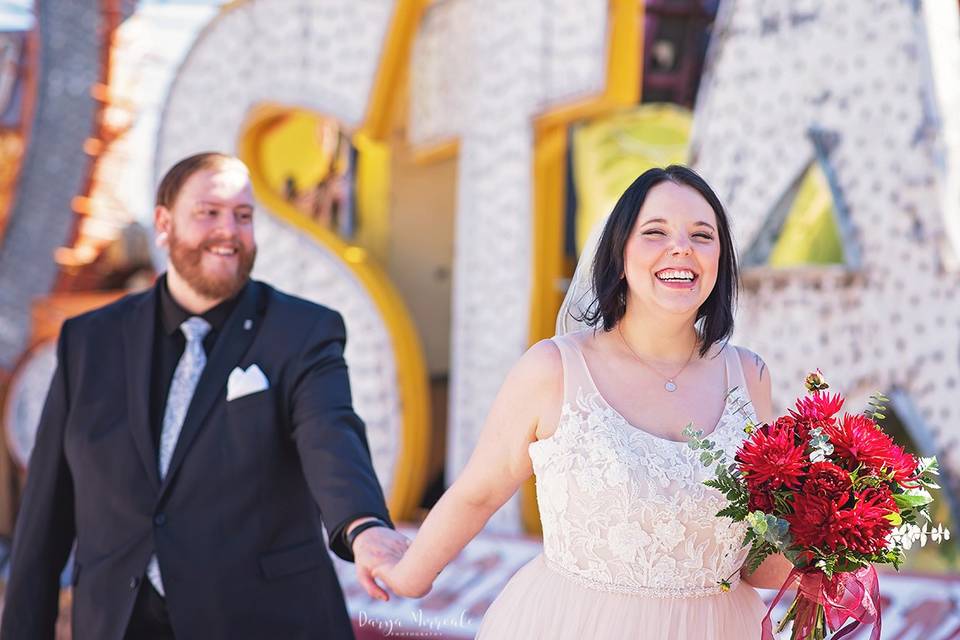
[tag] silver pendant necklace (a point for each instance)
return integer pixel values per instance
(670, 384)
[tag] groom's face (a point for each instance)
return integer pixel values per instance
(209, 231)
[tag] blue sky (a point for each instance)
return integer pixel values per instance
(18, 14)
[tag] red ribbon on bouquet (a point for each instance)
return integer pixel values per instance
(853, 594)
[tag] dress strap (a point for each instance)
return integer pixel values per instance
(575, 373)
(737, 380)
(735, 377)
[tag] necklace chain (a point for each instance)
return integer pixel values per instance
(670, 384)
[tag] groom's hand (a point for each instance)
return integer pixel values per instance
(372, 548)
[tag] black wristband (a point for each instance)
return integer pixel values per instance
(360, 528)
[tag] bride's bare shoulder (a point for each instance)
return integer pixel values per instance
(542, 360)
(539, 385)
(536, 381)
(754, 368)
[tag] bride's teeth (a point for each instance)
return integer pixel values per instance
(686, 276)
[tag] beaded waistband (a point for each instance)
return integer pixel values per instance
(649, 592)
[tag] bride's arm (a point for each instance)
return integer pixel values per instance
(775, 568)
(496, 469)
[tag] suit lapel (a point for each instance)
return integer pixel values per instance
(138, 329)
(238, 334)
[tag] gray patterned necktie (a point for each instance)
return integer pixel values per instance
(185, 378)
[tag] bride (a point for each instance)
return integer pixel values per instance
(632, 545)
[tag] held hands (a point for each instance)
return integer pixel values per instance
(377, 555)
(396, 575)
(374, 548)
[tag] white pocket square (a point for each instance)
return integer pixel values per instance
(243, 383)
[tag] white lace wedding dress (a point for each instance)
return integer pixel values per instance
(632, 544)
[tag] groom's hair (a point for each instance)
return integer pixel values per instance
(715, 315)
(175, 177)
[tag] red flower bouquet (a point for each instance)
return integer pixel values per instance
(835, 495)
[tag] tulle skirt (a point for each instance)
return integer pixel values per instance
(539, 602)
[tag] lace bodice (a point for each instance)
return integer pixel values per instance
(626, 511)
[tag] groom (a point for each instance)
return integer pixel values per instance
(194, 439)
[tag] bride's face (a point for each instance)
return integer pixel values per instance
(673, 252)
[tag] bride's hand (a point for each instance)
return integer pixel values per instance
(401, 581)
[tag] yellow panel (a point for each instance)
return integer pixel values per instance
(373, 196)
(549, 198)
(610, 152)
(393, 61)
(291, 148)
(11, 154)
(810, 234)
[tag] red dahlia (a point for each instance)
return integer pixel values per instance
(827, 480)
(903, 464)
(817, 522)
(815, 410)
(812, 521)
(817, 406)
(771, 456)
(864, 527)
(800, 429)
(761, 498)
(858, 440)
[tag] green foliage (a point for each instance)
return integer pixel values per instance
(793, 555)
(758, 523)
(725, 482)
(895, 519)
(828, 565)
(894, 557)
(757, 554)
(769, 528)
(927, 469)
(778, 532)
(735, 512)
(912, 500)
(876, 407)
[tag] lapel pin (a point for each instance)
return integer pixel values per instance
(247, 324)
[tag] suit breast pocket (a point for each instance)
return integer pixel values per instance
(259, 407)
(250, 432)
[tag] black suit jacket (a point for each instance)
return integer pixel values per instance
(236, 523)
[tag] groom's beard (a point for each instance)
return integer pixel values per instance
(188, 261)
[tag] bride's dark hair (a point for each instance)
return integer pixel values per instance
(715, 315)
